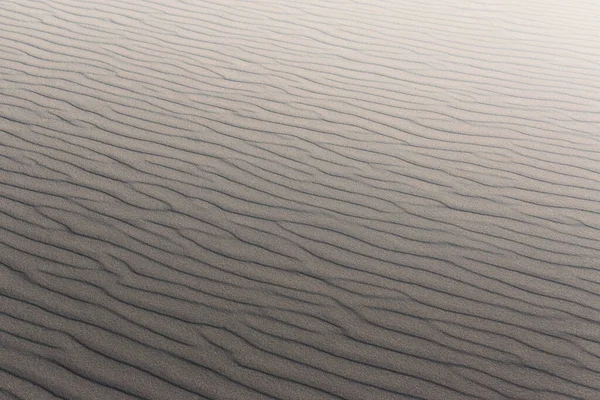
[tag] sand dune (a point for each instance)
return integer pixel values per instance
(299, 200)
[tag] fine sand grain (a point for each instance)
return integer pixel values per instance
(299, 200)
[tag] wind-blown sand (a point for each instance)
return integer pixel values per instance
(299, 200)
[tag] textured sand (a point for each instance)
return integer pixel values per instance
(299, 200)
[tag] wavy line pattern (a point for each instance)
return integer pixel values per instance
(299, 200)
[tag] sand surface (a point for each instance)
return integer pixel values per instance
(299, 200)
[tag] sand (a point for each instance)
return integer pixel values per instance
(299, 200)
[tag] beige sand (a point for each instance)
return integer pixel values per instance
(314, 200)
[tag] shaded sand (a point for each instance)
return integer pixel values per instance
(313, 200)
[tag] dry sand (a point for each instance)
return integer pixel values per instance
(299, 200)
